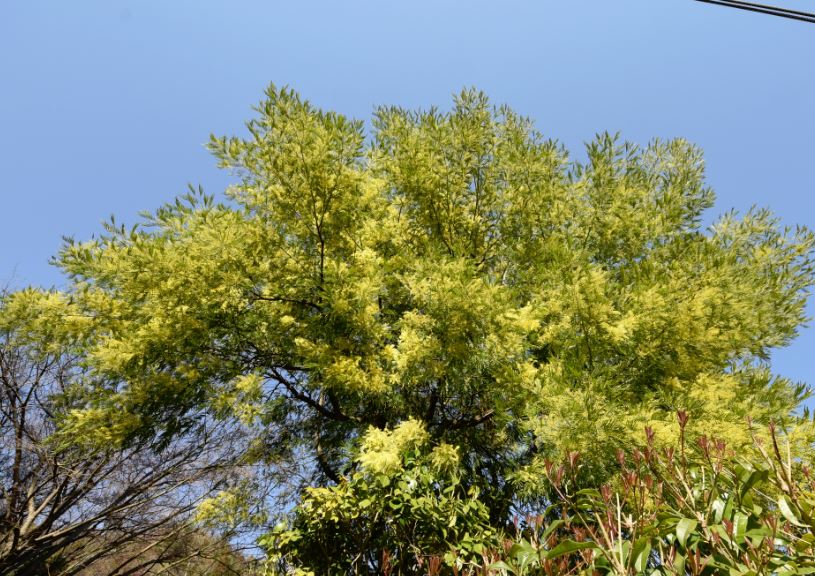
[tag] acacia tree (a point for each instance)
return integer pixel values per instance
(454, 268)
(69, 508)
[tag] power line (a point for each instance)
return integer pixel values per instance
(765, 9)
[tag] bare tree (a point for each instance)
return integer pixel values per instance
(115, 511)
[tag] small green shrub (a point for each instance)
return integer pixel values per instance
(400, 513)
(694, 509)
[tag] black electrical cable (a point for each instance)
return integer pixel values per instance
(745, 4)
(765, 9)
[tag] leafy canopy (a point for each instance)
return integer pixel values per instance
(455, 269)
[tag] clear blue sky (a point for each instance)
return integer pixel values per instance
(105, 104)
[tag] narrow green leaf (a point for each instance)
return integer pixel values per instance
(550, 528)
(568, 546)
(683, 529)
(786, 510)
(641, 553)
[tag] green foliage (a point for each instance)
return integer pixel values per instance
(697, 510)
(701, 510)
(394, 515)
(451, 269)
